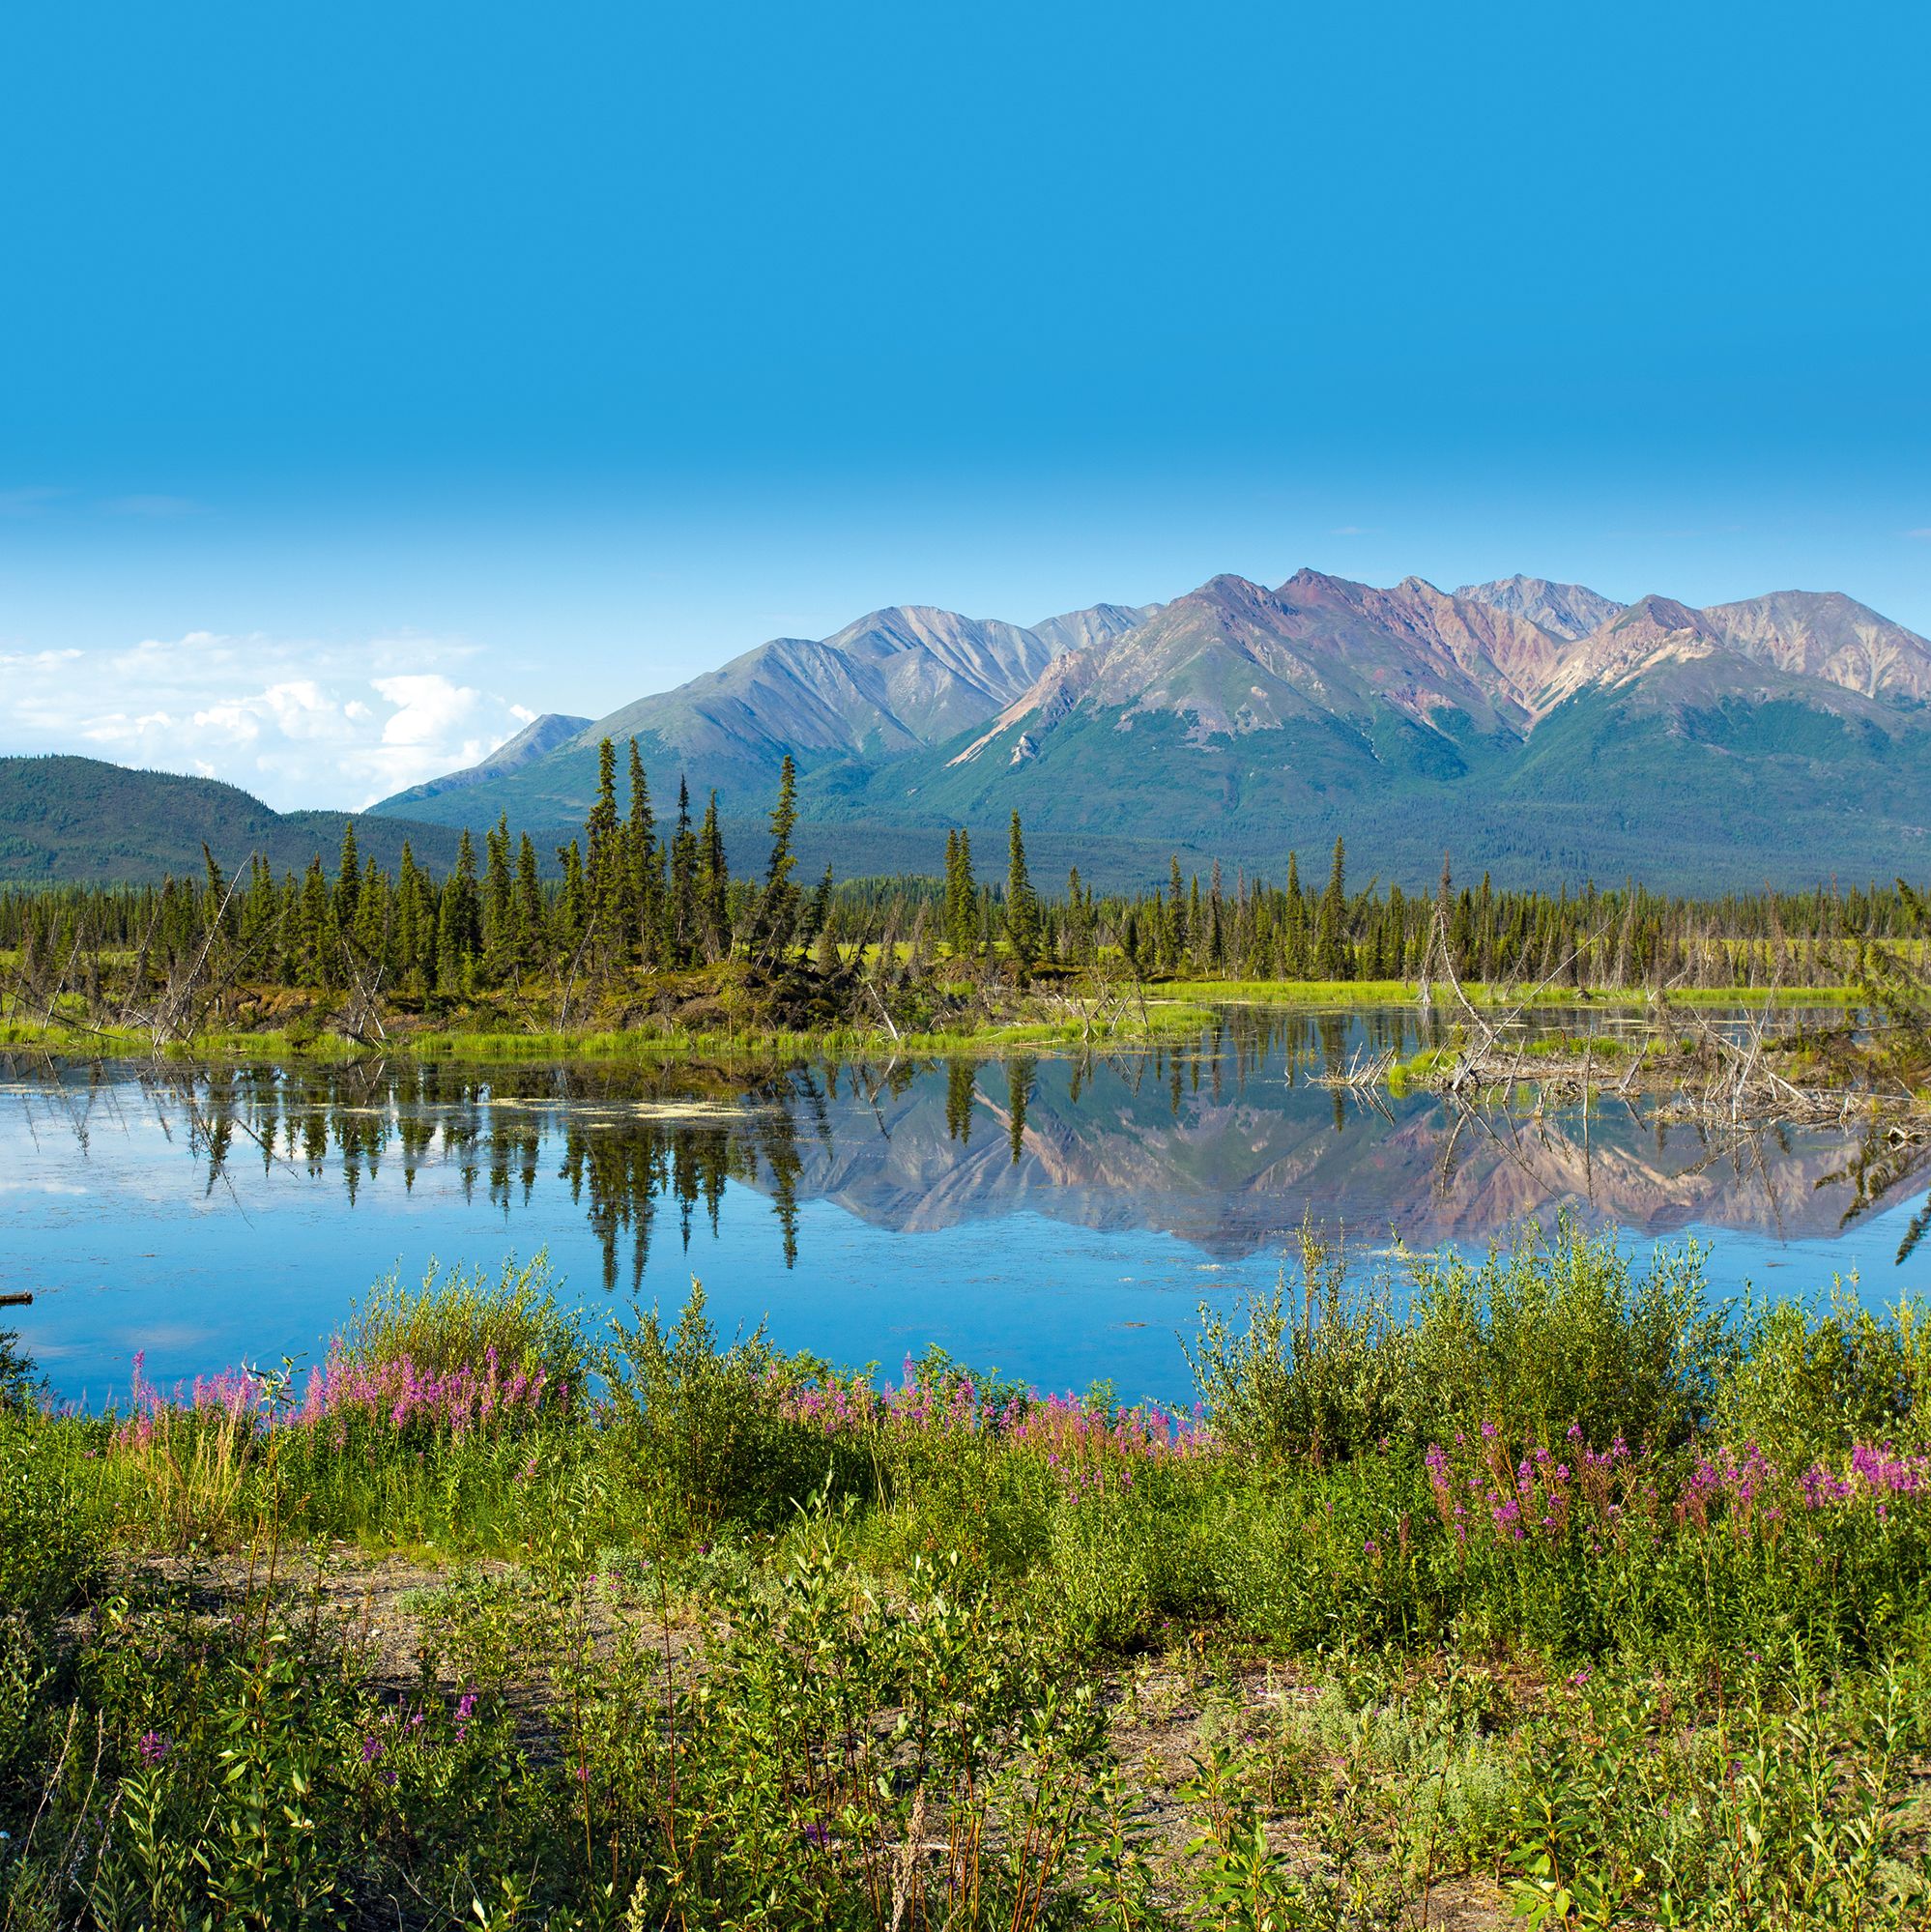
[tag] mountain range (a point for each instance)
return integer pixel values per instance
(1532, 727)
(1535, 729)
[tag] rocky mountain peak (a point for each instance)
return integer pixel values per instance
(1567, 610)
(1659, 613)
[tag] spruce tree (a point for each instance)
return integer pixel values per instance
(458, 921)
(713, 885)
(375, 920)
(1330, 958)
(215, 891)
(1079, 919)
(642, 861)
(778, 906)
(347, 880)
(817, 925)
(532, 938)
(683, 923)
(313, 949)
(1022, 906)
(258, 908)
(1296, 963)
(604, 856)
(962, 896)
(448, 939)
(408, 919)
(499, 926)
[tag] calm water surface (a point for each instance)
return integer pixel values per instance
(1056, 1218)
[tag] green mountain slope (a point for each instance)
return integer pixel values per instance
(79, 819)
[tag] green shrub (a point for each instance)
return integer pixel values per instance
(1325, 1385)
(49, 1547)
(1808, 1382)
(1537, 1336)
(453, 1320)
(1546, 1334)
(19, 1385)
(1118, 1564)
(700, 1424)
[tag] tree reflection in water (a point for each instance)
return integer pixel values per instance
(1219, 1138)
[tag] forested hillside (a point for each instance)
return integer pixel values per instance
(77, 819)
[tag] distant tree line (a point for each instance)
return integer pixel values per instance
(637, 893)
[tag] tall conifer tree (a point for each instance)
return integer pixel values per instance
(1022, 906)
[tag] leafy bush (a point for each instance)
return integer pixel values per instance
(1116, 1564)
(18, 1382)
(1537, 1337)
(49, 1547)
(1326, 1385)
(454, 1321)
(700, 1424)
(1810, 1382)
(1544, 1335)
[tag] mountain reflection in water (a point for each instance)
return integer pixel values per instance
(1219, 1143)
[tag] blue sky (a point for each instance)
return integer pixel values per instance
(375, 374)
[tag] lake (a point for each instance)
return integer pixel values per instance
(1059, 1217)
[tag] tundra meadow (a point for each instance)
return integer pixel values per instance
(1557, 1598)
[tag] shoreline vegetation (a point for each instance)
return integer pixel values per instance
(1557, 1598)
(641, 940)
(1040, 1017)
(1856, 1051)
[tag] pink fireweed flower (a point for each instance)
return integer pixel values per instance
(1874, 1472)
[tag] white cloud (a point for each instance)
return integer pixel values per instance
(428, 707)
(36, 660)
(296, 722)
